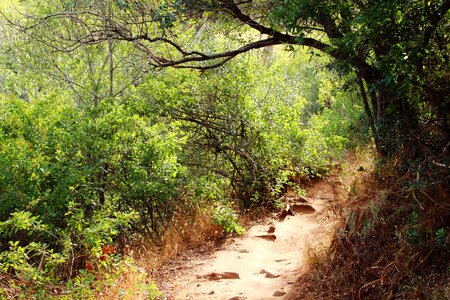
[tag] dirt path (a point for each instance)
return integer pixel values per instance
(265, 262)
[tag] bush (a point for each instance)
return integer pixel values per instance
(226, 217)
(72, 182)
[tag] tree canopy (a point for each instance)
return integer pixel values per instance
(398, 49)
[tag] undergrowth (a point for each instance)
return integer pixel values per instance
(394, 238)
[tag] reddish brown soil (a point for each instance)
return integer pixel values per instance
(265, 262)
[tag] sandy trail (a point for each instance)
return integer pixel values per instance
(267, 268)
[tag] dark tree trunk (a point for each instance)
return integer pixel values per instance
(396, 126)
(370, 114)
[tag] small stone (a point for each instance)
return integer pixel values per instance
(230, 275)
(219, 276)
(271, 275)
(268, 274)
(269, 237)
(303, 208)
(302, 199)
(285, 212)
(279, 294)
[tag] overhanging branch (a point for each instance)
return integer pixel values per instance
(222, 57)
(91, 29)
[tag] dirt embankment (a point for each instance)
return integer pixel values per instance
(265, 262)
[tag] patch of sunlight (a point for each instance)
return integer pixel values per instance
(7, 4)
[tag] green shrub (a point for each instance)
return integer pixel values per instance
(226, 217)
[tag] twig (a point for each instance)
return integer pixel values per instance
(434, 201)
(423, 260)
(367, 285)
(420, 205)
(440, 164)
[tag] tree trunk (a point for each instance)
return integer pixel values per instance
(395, 121)
(370, 114)
(398, 124)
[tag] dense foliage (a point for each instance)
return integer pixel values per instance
(398, 50)
(95, 149)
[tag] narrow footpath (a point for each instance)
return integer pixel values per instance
(266, 261)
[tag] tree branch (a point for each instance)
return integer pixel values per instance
(283, 38)
(89, 33)
(435, 19)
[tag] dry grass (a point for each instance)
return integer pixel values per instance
(186, 231)
(131, 284)
(385, 246)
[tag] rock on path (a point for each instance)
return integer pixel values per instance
(260, 264)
